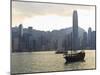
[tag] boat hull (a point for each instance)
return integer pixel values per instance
(75, 57)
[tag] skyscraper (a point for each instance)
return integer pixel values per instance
(20, 36)
(30, 30)
(89, 37)
(84, 41)
(20, 30)
(75, 40)
(93, 40)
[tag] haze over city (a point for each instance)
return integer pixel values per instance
(48, 17)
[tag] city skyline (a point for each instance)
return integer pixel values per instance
(29, 39)
(52, 16)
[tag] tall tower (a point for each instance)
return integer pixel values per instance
(89, 37)
(20, 31)
(75, 41)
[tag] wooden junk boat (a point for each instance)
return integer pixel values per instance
(75, 57)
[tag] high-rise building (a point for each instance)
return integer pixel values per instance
(30, 30)
(93, 40)
(89, 37)
(20, 37)
(75, 43)
(20, 30)
(30, 38)
(15, 44)
(84, 41)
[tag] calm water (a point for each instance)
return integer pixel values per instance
(27, 62)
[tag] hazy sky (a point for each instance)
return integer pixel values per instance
(47, 17)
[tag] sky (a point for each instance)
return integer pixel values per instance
(48, 17)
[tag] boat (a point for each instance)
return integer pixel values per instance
(75, 57)
(60, 52)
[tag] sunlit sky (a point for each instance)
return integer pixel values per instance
(48, 17)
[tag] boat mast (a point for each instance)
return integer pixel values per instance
(71, 42)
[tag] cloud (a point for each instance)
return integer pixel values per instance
(24, 11)
(33, 8)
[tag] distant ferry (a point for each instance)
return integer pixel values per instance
(60, 51)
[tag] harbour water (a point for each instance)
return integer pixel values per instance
(46, 61)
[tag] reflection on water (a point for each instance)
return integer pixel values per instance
(27, 62)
